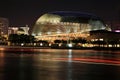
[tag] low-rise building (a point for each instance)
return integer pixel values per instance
(104, 38)
(18, 30)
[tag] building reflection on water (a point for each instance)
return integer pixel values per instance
(53, 64)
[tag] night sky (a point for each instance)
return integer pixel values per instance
(22, 12)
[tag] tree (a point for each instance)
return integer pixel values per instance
(82, 40)
(13, 38)
(18, 39)
(57, 41)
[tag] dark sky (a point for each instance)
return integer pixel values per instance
(22, 12)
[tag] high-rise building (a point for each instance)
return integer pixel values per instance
(4, 23)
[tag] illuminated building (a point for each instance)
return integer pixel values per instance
(104, 38)
(12, 30)
(4, 26)
(66, 25)
(18, 30)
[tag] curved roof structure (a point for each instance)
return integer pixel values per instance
(74, 14)
(67, 22)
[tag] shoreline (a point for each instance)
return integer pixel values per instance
(21, 48)
(74, 48)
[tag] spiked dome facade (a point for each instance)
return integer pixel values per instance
(61, 24)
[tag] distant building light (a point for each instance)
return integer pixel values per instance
(41, 44)
(118, 45)
(58, 32)
(96, 39)
(33, 34)
(101, 39)
(92, 40)
(22, 44)
(110, 45)
(14, 28)
(48, 33)
(39, 34)
(117, 30)
(70, 45)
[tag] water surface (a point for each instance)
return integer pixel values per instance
(55, 64)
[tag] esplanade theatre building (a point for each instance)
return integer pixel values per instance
(63, 25)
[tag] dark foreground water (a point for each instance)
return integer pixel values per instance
(53, 64)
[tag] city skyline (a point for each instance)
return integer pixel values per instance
(23, 12)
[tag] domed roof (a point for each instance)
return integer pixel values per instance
(62, 21)
(48, 18)
(74, 14)
(67, 16)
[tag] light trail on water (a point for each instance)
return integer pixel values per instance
(90, 61)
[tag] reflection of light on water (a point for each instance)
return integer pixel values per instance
(1, 54)
(2, 61)
(69, 55)
(69, 64)
(2, 49)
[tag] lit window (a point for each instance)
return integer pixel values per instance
(110, 45)
(41, 44)
(92, 40)
(69, 45)
(101, 39)
(96, 39)
(118, 45)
